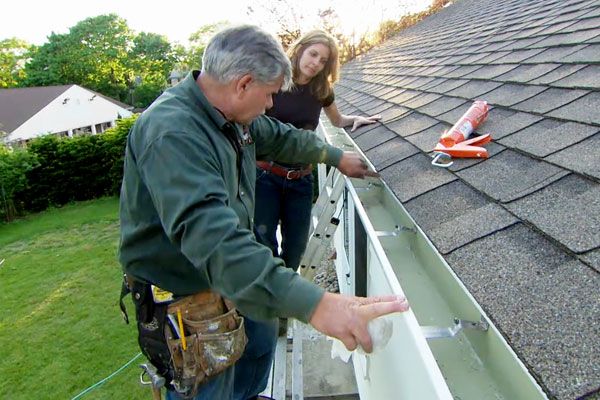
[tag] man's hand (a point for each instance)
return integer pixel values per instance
(352, 164)
(346, 317)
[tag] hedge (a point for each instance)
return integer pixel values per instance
(53, 171)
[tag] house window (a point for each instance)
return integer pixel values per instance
(61, 134)
(102, 127)
(84, 130)
(20, 143)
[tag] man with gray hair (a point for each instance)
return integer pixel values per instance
(187, 247)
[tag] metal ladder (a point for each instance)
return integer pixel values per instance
(324, 223)
(323, 226)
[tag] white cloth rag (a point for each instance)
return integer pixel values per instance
(380, 329)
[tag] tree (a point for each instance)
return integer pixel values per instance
(191, 58)
(101, 53)
(152, 52)
(287, 36)
(151, 60)
(13, 54)
(330, 23)
(93, 54)
(279, 13)
(389, 28)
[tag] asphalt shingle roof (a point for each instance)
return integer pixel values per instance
(18, 105)
(523, 233)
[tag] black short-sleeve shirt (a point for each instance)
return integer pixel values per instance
(299, 107)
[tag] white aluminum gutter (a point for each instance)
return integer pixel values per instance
(440, 348)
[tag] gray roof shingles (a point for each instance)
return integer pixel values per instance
(460, 203)
(548, 136)
(585, 109)
(531, 289)
(582, 157)
(391, 152)
(549, 100)
(408, 178)
(573, 198)
(523, 233)
(510, 175)
(411, 124)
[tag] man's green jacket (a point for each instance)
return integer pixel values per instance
(187, 204)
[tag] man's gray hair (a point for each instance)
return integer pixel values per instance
(246, 49)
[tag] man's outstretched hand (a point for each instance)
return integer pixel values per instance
(346, 317)
(352, 164)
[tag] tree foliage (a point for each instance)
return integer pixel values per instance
(151, 61)
(191, 58)
(291, 24)
(281, 13)
(101, 53)
(389, 28)
(93, 54)
(13, 54)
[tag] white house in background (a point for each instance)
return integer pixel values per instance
(68, 110)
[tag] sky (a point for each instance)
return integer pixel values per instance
(34, 21)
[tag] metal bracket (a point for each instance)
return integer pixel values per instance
(396, 232)
(438, 332)
(370, 185)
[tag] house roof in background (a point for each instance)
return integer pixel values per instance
(19, 104)
(522, 228)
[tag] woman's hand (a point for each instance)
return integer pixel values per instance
(360, 121)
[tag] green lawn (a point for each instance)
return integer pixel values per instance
(61, 330)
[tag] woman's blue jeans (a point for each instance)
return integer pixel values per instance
(287, 201)
(250, 374)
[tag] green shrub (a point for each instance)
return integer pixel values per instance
(14, 165)
(115, 140)
(74, 169)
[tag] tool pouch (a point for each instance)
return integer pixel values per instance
(214, 335)
(151, 319)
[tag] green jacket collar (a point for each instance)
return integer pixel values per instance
(191, 87)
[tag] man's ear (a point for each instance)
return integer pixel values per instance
(243, 83)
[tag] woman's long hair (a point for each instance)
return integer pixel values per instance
(322, 84)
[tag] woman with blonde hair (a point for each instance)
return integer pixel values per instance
(284, 192)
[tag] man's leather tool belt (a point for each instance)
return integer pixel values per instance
(288, 173)
(188, 340)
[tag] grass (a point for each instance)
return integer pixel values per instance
(61, 329)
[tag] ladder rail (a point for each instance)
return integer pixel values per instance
(324, 223)
(297, 365)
